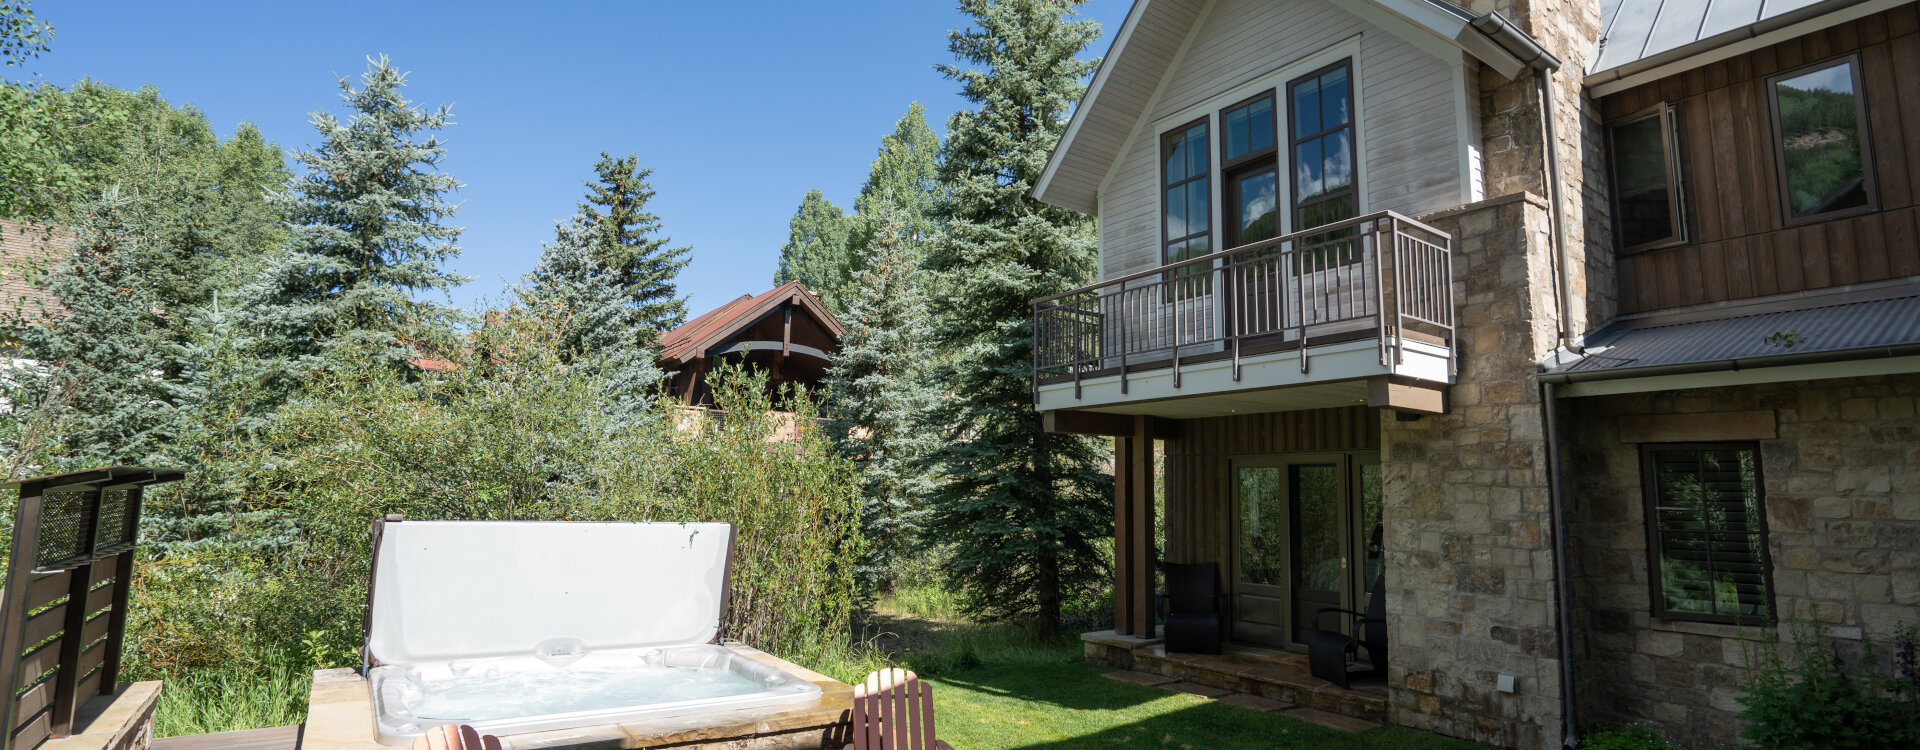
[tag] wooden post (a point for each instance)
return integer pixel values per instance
(122, 592)
(1122, 537)
(13, 602)
(66, 682)
(1140, 554)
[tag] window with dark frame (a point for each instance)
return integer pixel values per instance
(1320, 133)
(1249, 171)
(1706, 532)
(1186, 212)
(1821, 144)
(1648, 195)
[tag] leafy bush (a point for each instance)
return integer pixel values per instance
(279, 574)
(1633, 737)
(1813, 698)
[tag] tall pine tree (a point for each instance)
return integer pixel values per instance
(877, 392)
(1025, 510)
(597, 321)
(90, 395)
(367, 220)
(818, 250)
(901, 185)
(644, 266)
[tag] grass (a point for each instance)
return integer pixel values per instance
(272, 693)
(995, 688)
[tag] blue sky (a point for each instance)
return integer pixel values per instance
(738, 107)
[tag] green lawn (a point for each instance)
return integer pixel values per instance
(1067, 704)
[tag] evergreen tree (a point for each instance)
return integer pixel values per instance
(1025, 510)
(878, 391)
(901, 185)
(367, 229)
(642, 262)
(587, 300)
(817, 251)
(90, 395)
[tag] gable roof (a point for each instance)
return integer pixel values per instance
(693, 338)
(1643, 40)
(1152, 36)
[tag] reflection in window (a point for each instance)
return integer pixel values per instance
(1821, 148)
(1646, 191)
(1263, 543)
(1707, 528)
(1323, 182)
(1249, 172)
(1186, 208)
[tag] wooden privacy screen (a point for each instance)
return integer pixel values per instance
(63, 612)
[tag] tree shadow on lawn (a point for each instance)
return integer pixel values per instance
(1070, 705)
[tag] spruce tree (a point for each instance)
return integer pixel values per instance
(90, 395)
(598, 325)
(818, 250)
(645, 267)
(877, 392)
(1027, 512)
(901, 184)
(367, 234)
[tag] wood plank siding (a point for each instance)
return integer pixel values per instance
(1412, 114)
(1738, 243)
(1199, 482)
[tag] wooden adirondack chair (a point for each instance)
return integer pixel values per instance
(455, 737)
(893, 710)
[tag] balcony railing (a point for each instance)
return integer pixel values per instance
(1382, 274)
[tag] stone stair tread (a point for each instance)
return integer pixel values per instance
(1254, 702)
(1140, 678)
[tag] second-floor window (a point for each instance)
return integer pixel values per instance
(1186, 208)
(1820, 141)
(1249, 173)
(1647, 209)
(1321, 126)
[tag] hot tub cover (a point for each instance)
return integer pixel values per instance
(470, 589)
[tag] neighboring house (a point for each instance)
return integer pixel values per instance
(29, 254)
(784, 332)
(1615, 408)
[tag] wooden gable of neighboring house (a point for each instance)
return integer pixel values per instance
(785, 332)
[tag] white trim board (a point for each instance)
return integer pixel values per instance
(1752, 376)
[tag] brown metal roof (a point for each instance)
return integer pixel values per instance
(28, 255)
(695, 336)
(1831, 327)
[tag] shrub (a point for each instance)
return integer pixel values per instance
(1813, 698)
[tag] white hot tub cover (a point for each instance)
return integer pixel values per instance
(447, 590)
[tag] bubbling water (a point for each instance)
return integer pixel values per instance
(513, 695)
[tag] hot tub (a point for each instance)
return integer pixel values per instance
(519, 627)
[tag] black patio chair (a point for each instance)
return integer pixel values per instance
(1328, 651)
(1193, 609)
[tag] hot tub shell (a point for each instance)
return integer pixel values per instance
(451, 599)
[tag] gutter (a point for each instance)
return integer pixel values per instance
(1734, 365)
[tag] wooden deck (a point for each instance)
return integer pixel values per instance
(271, 738)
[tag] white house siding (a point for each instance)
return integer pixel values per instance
(1409, 100)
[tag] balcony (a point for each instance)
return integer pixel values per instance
(1358, 311)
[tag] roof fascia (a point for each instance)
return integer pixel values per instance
(1087, 101)
(1448, 24)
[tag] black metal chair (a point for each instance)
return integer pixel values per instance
(1329, 650)
(1193, 609)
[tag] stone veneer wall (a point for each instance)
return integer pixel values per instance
(1469, 568)
(1842, 492)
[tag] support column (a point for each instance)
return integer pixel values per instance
(1140, 527)
(1122, 536)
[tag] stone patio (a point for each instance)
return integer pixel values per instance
(1280, 677)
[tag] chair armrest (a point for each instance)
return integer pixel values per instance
(1322, 612)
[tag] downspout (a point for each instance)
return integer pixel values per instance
(1562, 579)
(1524, 48)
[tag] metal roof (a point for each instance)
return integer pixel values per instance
(1633, 30)
(1853, 325)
